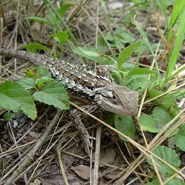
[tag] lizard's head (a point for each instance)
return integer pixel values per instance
(117, 99)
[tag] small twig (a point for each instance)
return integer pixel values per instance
(61, 163)
(97, 156)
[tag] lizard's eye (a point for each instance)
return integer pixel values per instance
(114, 98)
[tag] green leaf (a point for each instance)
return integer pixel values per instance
(8, 116)
(174, 181)
(168, 155)
(125, 125)
(33, 47)
(140, 71)
(64, 9)
(53, 19)
(177, 9)
(37, 72)
(39, 19)
(87, 52)
(180, 138)
(61, 37)
(148, 123)
(93, 54)
(155, 122)
(27, 83)
(145, 38)
(53, 93)
(14, 97)
(40, 82)
(119, 38)
(154, 92)
(161, 116)
(155, 181)
(43, 71)
(176, 48)
(163, 6)
(127, 52)
(169, 102)
(138, 83)
(123, 36)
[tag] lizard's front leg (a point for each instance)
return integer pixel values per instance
(77, 116)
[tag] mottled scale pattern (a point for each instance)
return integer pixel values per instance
(84, 83)
(73, 76)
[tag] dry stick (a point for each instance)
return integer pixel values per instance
(139, 113)
(97, 156)
(30, 156)
(98, 131)
(61, 164)
(1, 36)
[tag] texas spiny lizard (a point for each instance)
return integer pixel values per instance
(99, 89)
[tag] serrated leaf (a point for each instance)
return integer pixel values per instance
(43, 71)
(168, 155)
(155, 122)
(138, 83)
(53, 93)
(174, 181)
(125, 125)
(148, 123)
(27, 83)
(161, 116)
(180, 138)
(19, 101)
(167, 100)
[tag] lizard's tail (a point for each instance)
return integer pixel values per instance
(31, 57)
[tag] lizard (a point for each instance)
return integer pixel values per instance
(83, 82)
